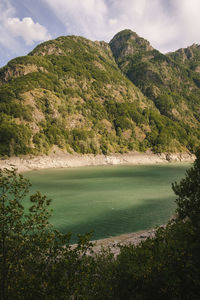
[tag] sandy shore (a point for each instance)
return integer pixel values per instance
(65, 160)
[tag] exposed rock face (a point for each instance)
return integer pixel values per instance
(127, 43)
(20, 70)
(189, 56)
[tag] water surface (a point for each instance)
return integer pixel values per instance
(109, 200)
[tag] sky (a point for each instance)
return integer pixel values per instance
(167, 24)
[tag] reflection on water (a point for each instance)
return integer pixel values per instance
(109, 200)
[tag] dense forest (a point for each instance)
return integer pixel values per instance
(94, 97)
(38, 262)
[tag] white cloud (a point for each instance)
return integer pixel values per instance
(6, 11)
(16, 36)
(113, 21)
(101, 19)
(146, 18)
(85, 18)
(187, 18)
(31, 32)
(167, 24)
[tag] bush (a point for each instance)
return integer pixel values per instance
(165, 267)
(14, 138)
(188, 192)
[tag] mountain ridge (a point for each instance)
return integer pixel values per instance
(100, 98)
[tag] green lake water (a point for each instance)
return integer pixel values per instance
(109, 200)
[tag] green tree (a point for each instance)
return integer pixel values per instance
(188, 192)
(35, 260)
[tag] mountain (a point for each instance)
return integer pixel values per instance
(171, 81)
(94, 97)
(168, 80)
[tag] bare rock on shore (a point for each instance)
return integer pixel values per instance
(114, 243)
(65, 160)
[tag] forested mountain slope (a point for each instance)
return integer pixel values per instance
(171, 82)
(94, 97)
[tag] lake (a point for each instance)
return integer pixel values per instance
(109, 200)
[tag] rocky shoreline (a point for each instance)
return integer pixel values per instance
(113, 243)
(65, 160)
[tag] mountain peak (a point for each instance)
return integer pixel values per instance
(127, 42)
(125, 34)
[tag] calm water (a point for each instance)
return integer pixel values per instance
(109, 200)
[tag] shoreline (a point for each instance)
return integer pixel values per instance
(65, 160)
(113, 243)
(126, 237)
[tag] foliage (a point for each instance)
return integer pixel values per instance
(14, 138)
(32, 252)
(165, 104)
(188, 192)
(166, 266)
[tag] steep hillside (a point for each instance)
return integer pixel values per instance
(69, 92)
(190, 58)
(168, 80)
(73, 93)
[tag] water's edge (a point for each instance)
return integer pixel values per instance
(114, 242)
(63, 160)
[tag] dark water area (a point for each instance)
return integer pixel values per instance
(109, 200)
